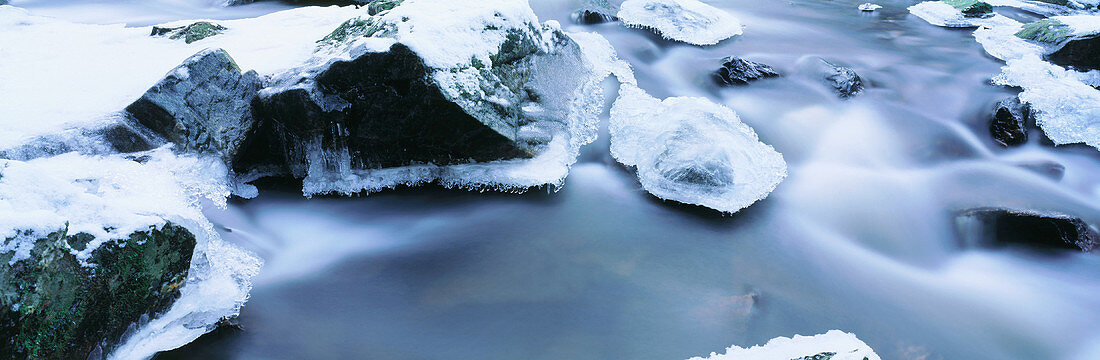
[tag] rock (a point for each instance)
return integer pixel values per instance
(845, 81)
(595, 12)
(54, 306)
(1067, 41)
(832, 345)
(190, 33)
(1010, 120)
(869, 7)
(120, 134)
(738, 71)
(689, 21)
(205, 104)
(972, 8)
(999, 227)
(378, 6)
(1080, 53)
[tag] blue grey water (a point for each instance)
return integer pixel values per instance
(859, 237)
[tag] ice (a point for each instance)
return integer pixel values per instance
(56, 75)
(693, 151)
(869, 7)
(689, 21)
(941, 14)
(844, 346)
(111, 197)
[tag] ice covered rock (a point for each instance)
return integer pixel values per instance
(971, 8)
(832, 345)
(1070, 41)
(693, 151)
(1000, 227)
(55, 306)
(842, 80)
(595, 12)
(1067, 109)
(376, 6)
(869, 7)
(120, 134)
(190, 33)
(958, 14)
(738, 71)
(1010, 121)
(467, 93)
(688, 21)
(205, 104)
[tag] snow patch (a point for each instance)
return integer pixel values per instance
(844, 346)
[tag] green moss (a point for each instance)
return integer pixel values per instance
(350, 29)
(378, 6)
(54, 307)
(1046, 31)
(197, 31)
(971, 7)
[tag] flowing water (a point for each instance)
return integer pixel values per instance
(860, 237)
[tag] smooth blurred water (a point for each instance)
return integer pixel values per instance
(858, 238)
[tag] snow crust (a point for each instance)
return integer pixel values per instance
(845, 345)
(56, 75)
(693, 151)
(111, 197)
(689, 21)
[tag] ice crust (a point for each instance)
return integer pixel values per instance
(1064, 104)
(845, 346)
(113, 196)
(941, 14)
(693, 151)
(688, 21)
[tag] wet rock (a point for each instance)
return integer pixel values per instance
(54, 306)
(972, 8)
(595, 12)
(1009, 124)
(204, 105)
(845, 81)
(190, 33)
(999, 227)
(738, 71)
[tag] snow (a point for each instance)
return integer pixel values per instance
(846, 347)
(693, 151)
(111, 197)
(56, 75)
(689, 21)
(869, 7)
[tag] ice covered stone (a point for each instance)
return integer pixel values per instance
(688, 21)
(595, 12)
(1009, 123)
(941, 13)
(693, 151)
(843, 80)
(971, 8)
(999, 227)
(1065, 108)
(869, 7)
(467, 93)
(832, 345)
(205, 104)
(1069, 41)
(738, 71)
(190, 33)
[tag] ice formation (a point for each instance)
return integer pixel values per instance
(940, 13)
(833, 345)
(689, 21)
(1064, 103)
(112, 196)
(693, 151)
(457, 40)
(869, 7)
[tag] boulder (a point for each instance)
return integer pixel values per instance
(1000, 227)
(204, 105)
(1010, 121)
(738, 71)
(190, 33)
(54, 305)
(1067, 41)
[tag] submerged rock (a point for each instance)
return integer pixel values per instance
(403, 90)
(844, 81)
(1010, 121)
(205, 104)
(833, 345)
(688, 21)
(738, 71)
(693, 151)
(595, 12)
(56, 306)
(998, 227)
(190, 33)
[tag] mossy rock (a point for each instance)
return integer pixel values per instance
(378, 6)
(190, 33)
(352, 28)
(971, 7)
(1048, 31)
(53, 306)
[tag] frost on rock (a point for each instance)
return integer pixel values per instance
(75, 205)
(470, 94)
(832, 345)
(688, 21)
(693, 151)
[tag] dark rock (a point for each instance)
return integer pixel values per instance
(1009, 124)
(190, 33)
(54, 307)
(120, 135)
(1080, 53)
(843, 79)
(998, 227)
(205, 104)
(738, 71)
(595, 12)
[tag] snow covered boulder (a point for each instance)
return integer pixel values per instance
(190, 33)
(688, 21)
(693, 151)
(1070, 41)
(205, 104)
(833, 345)
(468, 93)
